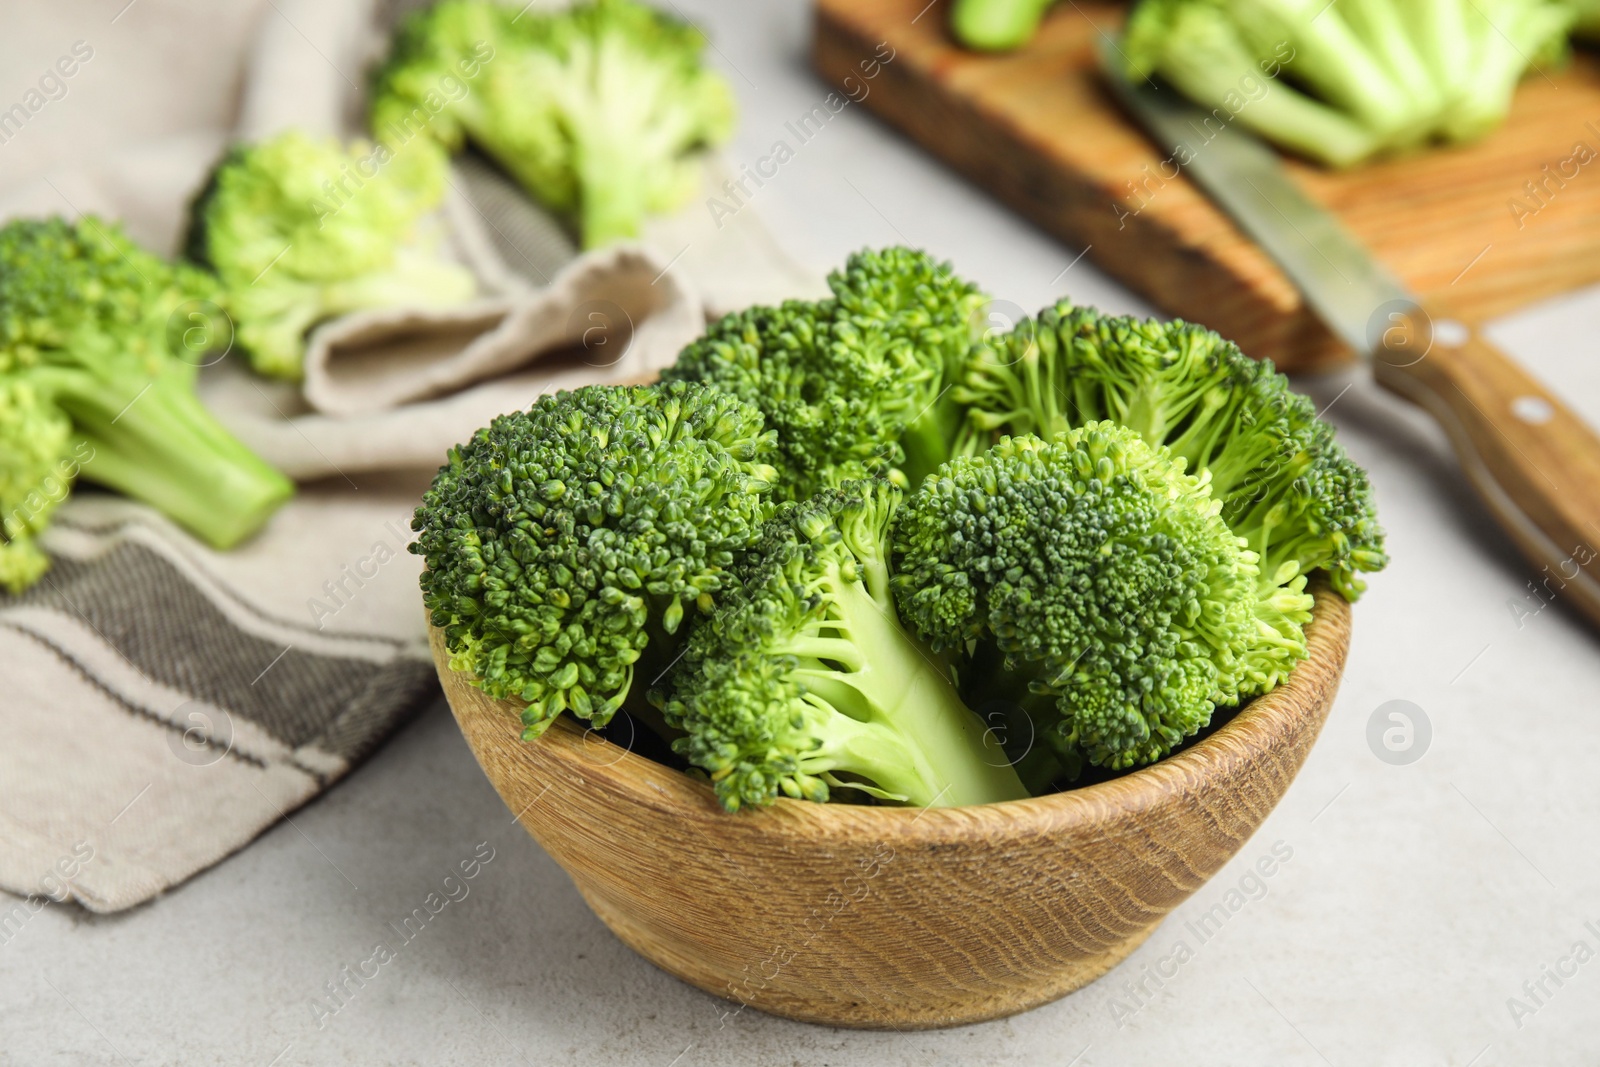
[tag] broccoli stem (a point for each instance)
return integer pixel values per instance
(1501, 56)
(1032, 736)
(928, 441)
(415, 278)
(1333, 61)
(154, 441)
(1439, 27)
(1019, 395)
(892, 714)
(997, 25)
(612, 193)
(1281, 114)
(1040, 770)
(1380, 24)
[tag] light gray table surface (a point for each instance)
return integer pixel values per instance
(1418, 900)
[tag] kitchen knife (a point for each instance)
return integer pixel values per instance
(1535, 463)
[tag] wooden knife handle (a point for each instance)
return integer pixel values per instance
(1533, 461)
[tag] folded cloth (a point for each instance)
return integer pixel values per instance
(165, 703)
(163, 709)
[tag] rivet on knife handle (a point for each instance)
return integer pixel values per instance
(1533, 461)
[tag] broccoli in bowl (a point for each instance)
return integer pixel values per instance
(1107, 525)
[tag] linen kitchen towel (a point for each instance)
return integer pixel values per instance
(164, 703)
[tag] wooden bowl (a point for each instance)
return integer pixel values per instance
(893, 917)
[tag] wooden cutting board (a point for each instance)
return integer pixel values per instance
(1461, 226)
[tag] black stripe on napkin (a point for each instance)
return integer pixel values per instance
(142, 606)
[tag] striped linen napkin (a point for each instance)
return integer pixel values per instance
(163, 703)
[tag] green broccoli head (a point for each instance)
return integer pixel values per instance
(1285, 483)
(1105, 578)
(301, 229)
(922, 297)
(856, 385)
(439, 80)
(600, 111)
(68, 288)
(111, 337)
(818, 381)
(35, 474)
(1340, 84)
(806, 683)
(565, 543)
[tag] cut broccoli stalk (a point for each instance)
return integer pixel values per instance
(1328, 58)
(275, 316)
(883, 711)
(1439, 29)
(1206, 57)
(1506, 39)
(1381, 26)
(812, 685)
(613, 197)
(997, 25)
(927, 440)
(1352, 80)
(152, 440)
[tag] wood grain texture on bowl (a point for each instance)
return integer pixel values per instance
(891, 917)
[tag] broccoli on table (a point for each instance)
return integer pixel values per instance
(301, 230)
(36, 468)
(1094, 582)
(858, 384)
(601, 111)
(996, 25)
(566, 545)
(1285, 484)
(1340, 83)
(1482, 62)
(100, 344)
(807, 683)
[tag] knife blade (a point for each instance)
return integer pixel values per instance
(1338, 278)
(1534, 463)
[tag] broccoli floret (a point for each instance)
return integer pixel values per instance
(100, 335)
(566, 544)
(808, 683)
(601, 111)
(1285, 484)
(301, 230)
(858, 384)
(1342, 83)
(938, 315)
(36, 469)
(1096, 582)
